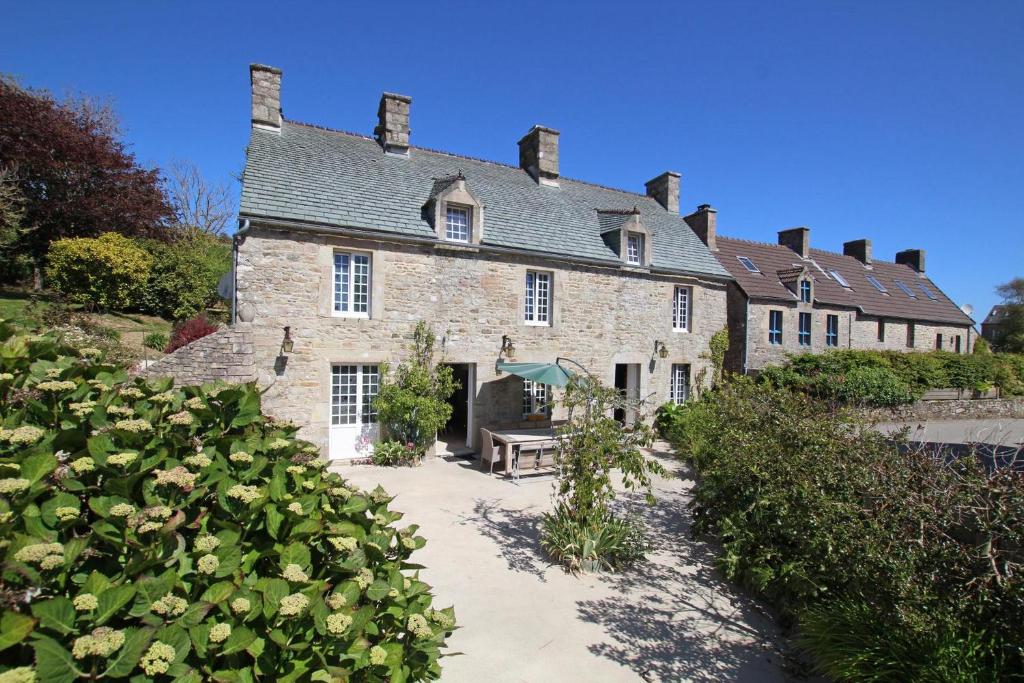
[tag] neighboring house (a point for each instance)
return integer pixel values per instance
(993, 323)
(349, 240)
(789, 298)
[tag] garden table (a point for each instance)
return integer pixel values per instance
(516, 441)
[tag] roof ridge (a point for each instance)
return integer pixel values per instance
(746, 241)
(456, 155)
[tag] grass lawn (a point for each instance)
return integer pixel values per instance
(24, 307)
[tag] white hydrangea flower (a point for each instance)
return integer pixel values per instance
(294, 604)
(293, 572)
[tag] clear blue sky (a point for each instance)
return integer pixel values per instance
(898, 121)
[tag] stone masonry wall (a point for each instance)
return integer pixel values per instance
(855, 331)
(600, 317)
(964, 409)
(226, 355)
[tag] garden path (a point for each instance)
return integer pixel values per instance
(523, 619)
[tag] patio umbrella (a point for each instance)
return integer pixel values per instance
(544, 373)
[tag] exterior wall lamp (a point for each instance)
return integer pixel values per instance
(507, 347)
(287, 344)
(660, 349)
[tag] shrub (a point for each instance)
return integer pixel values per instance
(183, 279)
(875, 546)
(395, 453)
(583, 532)
(155, 340)
(412, 404)
(186, 332)
(158, 532)
(106, 272)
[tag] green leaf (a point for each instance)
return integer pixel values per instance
(274, 519)
(176, 637)
(195, 613)
(273, 590)
(218, 592)
(37, 466)
(99, 446)
(124, 660)
(53, 663)
(240, 638)
(378, 590)
(230, 557)
(57, 614)
(111, 600)
(295, 553)
(14, 628)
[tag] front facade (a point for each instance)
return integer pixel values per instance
(788, 298)
(348, 241)
(992, 325)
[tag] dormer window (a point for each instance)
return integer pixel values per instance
(805, 291)
(457, 225)
(634, 248)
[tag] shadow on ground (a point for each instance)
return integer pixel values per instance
(515, 532)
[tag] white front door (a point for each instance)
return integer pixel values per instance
(354, 427)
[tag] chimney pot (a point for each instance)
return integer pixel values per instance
(913, 258)
(858, 249)
(265, 82)
(392, 129)
(797, 239)
(538, 154)
(704, 223)
(665, 190)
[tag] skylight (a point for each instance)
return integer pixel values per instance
(927, 292)
(748, 264)
(839, 278)
(906, 290)
(878, 285)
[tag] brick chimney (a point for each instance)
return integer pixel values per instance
(392, 129)
(797, 239)
(858, 249)
(266, 96)
(704, 222)
(538, 155)
(913, 258)
(665, 190)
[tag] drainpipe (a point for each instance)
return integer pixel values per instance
(746, 332)
(236, 239)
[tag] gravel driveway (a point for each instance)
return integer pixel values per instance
(523, 619)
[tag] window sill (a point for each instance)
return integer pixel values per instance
(457, 246)
(534, 323)
(680, 330)
(355, 316)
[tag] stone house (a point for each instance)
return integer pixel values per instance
(993, 323)
(788, 298)
(347, 240)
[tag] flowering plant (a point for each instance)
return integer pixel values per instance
(137, 544)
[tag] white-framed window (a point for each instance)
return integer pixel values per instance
(538, 298)
(681, 309)
(635, 248)
(536, 398)
(679, 385)
(457, 223)
(352, 284)
(353, 388)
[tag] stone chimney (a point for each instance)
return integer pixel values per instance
(392, 129)
(665, 189)
(704, 222)
(538, 155)
(797, 239)
(266, 96)
(858, 249)
(913, 258)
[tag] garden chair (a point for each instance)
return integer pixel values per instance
(489, 453)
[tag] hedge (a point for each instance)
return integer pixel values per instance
(894, 564)
(106, 272)
(153, 532)
(887, 378)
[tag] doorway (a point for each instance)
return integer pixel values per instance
(627, 382)
(457, 435)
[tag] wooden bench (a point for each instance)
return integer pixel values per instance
(534, 458)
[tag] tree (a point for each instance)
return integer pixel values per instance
(1010, 334)
(76, 177)
(197, 203)
(12, 213)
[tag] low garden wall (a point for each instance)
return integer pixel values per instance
(959, 409)
(225, 355)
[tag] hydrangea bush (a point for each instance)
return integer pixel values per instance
(153, 532)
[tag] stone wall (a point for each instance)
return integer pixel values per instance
(226, 355)
(960, 409)
(600, 317)
(855, 331)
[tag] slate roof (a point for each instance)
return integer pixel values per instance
(332, 179)
(771, 259)
(995, 316)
